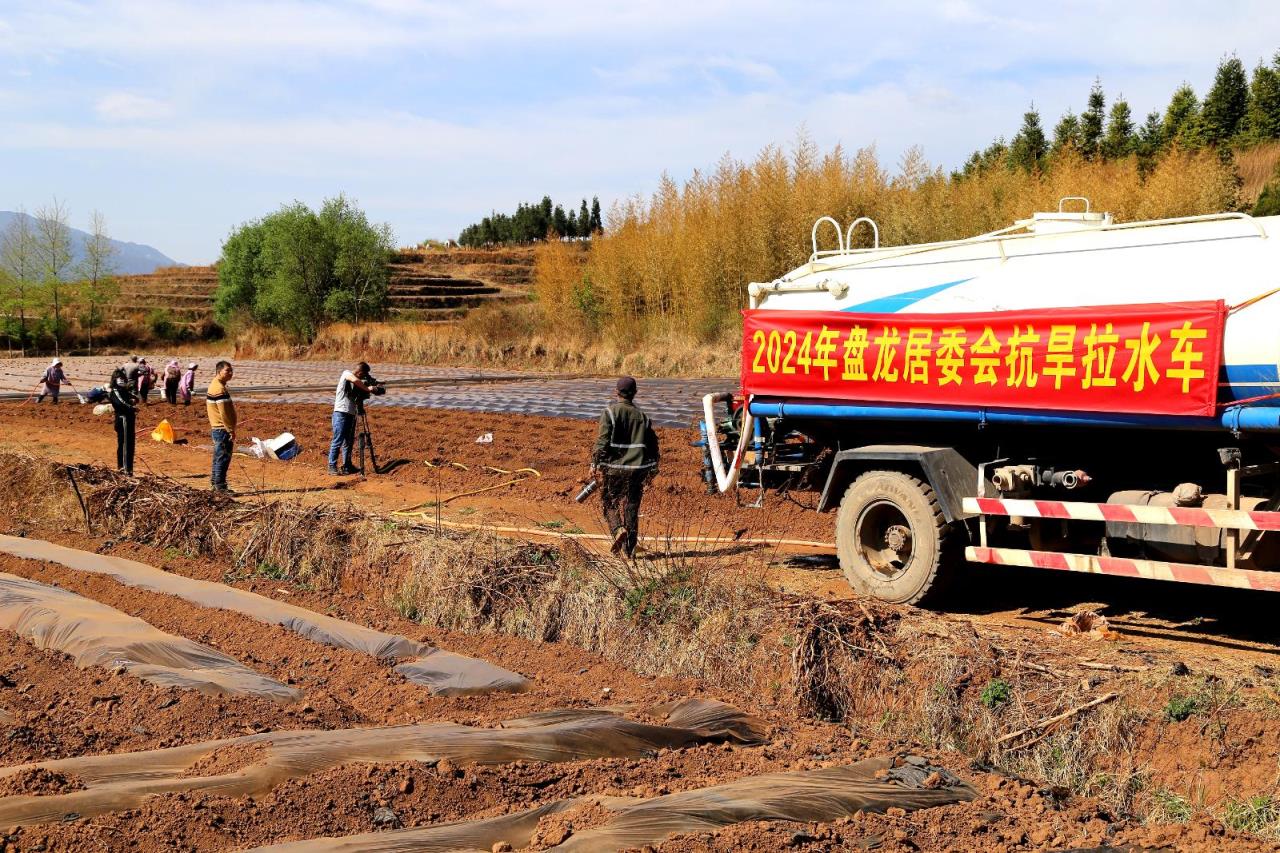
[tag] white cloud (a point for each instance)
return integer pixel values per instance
(127, 106)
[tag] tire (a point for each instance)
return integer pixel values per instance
(893, 541)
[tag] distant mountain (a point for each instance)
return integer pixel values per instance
(130, 258)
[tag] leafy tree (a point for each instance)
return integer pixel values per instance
(98, 286)
(1225, 105)
(300, 260)
(1182, 123)
(1067, 132)
(1029, 145)
(19, 273)
(1091, 122)
(361, 253)
(1262, 114)
(294, 268)
(1119, 141)
(584, 220)
(559, 222)
(53, 250)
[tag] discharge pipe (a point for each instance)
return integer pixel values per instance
(726, 480)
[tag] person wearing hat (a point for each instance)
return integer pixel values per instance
(625, 457)
(187, 384)
(172, 376)
(53, 379)
(146, 381)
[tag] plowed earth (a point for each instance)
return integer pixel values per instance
(49, 709)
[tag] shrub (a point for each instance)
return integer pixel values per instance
(1180, 708)
(997, 692)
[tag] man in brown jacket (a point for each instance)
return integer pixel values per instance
(625, 457)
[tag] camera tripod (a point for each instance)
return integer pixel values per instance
(365, 442)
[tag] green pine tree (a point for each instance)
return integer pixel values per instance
(1119, 141)
(1182, 122)
(1092, 121)
(1029, 145)
(1225, 105)
(597, 225)
(1150, 139)
(1066, 132)
(584, 221)
(1262, 115)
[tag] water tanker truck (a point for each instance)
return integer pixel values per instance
(1066, 393)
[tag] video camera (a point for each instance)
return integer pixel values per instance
(376, 389)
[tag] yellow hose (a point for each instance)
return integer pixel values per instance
(531, 472)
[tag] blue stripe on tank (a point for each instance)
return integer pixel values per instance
(902, 301)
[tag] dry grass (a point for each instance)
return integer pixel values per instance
(503, 337)
(680, 261)
(670, 616)
(1257, 166)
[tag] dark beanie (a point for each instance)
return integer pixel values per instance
(626, 386)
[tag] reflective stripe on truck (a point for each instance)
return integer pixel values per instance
(1148, 569)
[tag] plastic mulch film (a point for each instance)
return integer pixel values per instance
(94, 634)
(806, 796)
(441, 672)
(516, 829)
(812, 795)
(123, 780)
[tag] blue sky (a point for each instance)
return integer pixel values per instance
(181, 119)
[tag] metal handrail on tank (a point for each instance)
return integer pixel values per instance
(813, 236)
(875, 232)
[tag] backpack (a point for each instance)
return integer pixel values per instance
(173, 372)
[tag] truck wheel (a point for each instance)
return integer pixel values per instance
(892, 538)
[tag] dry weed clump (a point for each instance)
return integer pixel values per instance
(320, 545)
(665, 616)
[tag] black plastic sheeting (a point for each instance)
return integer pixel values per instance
(94, 634)
(124, 780)
(441, 672)
(806, 796)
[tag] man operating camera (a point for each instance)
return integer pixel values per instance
(354, 387)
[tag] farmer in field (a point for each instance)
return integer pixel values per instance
(53, 379)
(222, 424)
(187, 384)
(353, 389)
(624, 459)
(146, 381)
(124, 405)
(172, 376)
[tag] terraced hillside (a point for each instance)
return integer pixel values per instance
(444, 284)
(425, 284)
(185, 292)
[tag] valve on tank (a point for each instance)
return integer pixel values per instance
(1018, 481)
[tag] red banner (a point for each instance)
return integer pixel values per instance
(1161, 358)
